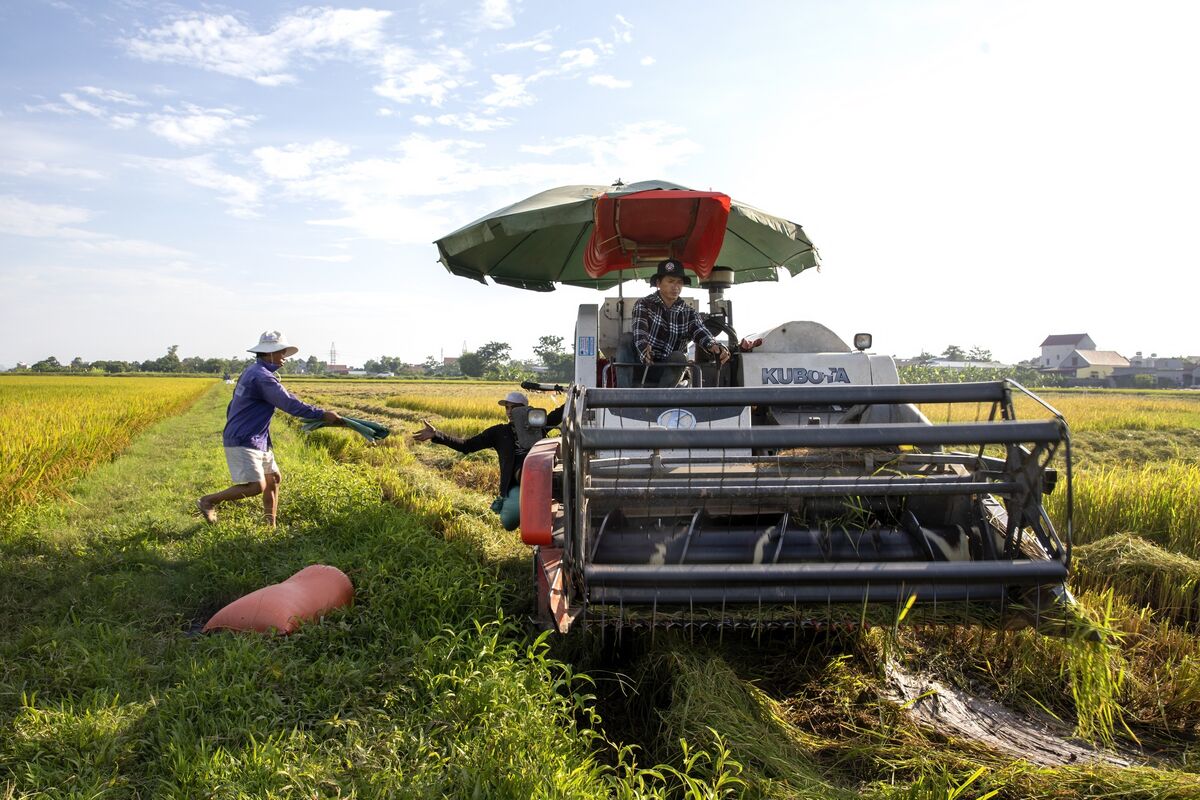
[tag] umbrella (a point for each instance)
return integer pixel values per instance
(541, 241)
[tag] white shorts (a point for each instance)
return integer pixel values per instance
(247, 465)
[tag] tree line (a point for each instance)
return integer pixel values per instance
(170, 362)
(492, 361)
(922, 369)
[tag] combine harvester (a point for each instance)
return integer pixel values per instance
(797, 485)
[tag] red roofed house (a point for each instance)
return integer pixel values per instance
(1058, 348)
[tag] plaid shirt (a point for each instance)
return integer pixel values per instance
(667, 329)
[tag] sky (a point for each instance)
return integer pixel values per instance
(973, 173)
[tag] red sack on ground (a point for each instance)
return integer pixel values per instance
(304, 597)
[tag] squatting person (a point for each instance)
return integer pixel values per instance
(247, 435)
(503, 439)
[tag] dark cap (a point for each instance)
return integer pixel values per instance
(670, 268)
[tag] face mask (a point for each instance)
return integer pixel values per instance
(271, 367)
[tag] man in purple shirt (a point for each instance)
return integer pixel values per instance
(247, 434)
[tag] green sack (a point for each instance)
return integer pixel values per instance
(371, 431)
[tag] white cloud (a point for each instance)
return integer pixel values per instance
(389, 222)
(430, 183)
(52, 108)
(645, 149)
(495, 14)
(24, 218)
(193, 125)
(295, 161)
(647, 61)
(29, 167)
(424, 120)
(20, 217)
(426, 80)
(609, 82)
(135, 248)
(177, 280)
(403, 198)
(39, 150)
(187, 125)
(509, 92)
(79, 104)
(431, 79)
(338, 259)
(124, 121)
(539, 44)
(224, 44)
(471, 122)
(240, 194)
(623, 31)
(578, 59)
(112, 96)
(622, 34)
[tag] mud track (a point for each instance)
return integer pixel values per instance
(1040, 739)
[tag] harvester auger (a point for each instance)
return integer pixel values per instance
(800, 484)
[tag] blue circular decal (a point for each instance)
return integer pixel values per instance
(677, 418)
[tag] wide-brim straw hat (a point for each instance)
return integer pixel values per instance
(514, 399)
(273, 342)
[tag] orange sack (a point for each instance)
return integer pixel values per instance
(281, 607)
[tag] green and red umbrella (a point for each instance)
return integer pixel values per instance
(598, 236)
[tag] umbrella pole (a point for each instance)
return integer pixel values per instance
(621, 300)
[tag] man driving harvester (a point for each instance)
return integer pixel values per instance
(663, 325)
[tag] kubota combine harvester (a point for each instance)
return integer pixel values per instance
(797, 484)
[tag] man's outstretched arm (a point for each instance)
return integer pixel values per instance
(479, 441)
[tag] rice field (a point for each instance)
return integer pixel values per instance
(432, 686)
(55, 428)
(1088, 412)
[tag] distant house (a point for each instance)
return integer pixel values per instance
(337, 369)
(1091, 364)
(1058, 347)
(1160, 372)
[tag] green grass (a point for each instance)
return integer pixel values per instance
(431, 685)
(425, 688)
